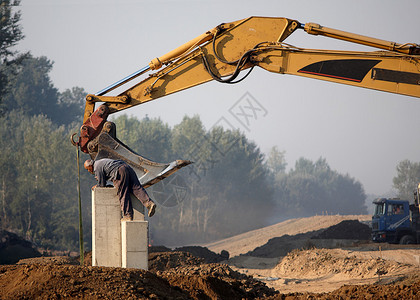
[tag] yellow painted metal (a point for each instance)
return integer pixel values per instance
(316, 29)
(182, 50)
(89, 109)
(185, 65)
(187, 71)
(288, 61)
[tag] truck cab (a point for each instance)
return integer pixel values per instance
(391, 221)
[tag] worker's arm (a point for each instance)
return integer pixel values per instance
(100, 175)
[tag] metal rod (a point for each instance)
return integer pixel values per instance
(82, 252)
(167, 72)
(122, 81)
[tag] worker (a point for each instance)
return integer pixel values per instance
(126, 182)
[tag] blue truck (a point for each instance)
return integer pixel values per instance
(396, 221)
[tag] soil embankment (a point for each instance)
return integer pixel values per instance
(323, 257)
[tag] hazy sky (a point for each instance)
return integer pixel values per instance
(364, 133)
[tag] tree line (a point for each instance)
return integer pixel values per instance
(232, 187)
(407, 179)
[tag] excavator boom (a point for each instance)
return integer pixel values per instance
(223, 52)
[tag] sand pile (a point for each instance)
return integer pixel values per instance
(316, 263)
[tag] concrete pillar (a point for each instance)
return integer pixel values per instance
(116, 243)
(134, 239)
(106, 228)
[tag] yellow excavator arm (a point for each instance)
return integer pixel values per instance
(224, 52)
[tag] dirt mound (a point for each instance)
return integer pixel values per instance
(190, 273)
(316, 263)
(216, 281)
(345, 233)
(376, 291)
(348, 229)
(153, 249)
(53, 260)
(162, 261)
(13, 248)
(408, 288)
(205, 253)
(87, 261)
(198, 251)
(298, 274)
(281, 246)
(68, 281)
(52, 278)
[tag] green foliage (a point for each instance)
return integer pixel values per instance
(25, 84)
(407, 178)
(222, 192)
(149, 137)
(70, 106)
(276, 163)
(10, 35)
(38, 182)
(228, 190)
(313, 188)
(189, 136)
(32, 93)
(10, 30)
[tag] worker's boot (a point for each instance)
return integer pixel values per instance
(152, 208)
(127, 218)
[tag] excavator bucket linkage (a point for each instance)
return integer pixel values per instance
(98, 138)
(148, 172)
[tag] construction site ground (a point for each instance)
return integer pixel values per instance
(321, 257)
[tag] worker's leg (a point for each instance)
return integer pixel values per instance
(141, 194)
(138, 190)
(123, 185)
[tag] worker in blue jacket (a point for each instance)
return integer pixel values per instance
(126, 182)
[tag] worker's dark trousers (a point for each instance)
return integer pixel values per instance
(127, 183)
